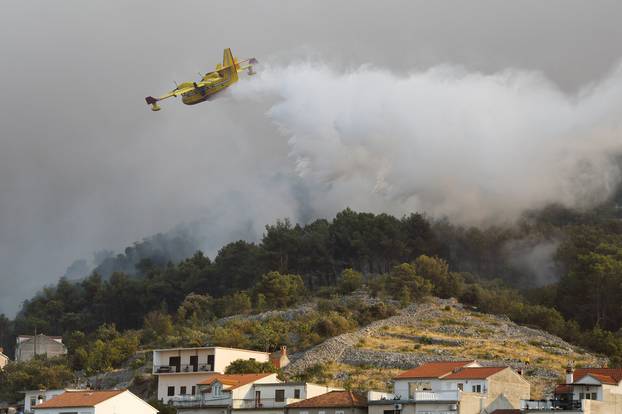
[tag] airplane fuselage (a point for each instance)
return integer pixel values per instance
(202, 93)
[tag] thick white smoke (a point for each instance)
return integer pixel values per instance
(477, 148)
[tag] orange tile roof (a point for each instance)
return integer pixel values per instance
(474, 373)
(603, 379)
(333, 399)
(84, 398)
(563, 389)
(433, 369)
(233, 380)
(614, 374)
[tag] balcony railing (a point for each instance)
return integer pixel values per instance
(165, 369)
(198, 402)
(436, 396)
(535, 405)
(264, 403)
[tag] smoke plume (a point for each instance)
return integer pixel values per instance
(476, 148)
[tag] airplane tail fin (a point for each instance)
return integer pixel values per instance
(228, 61)
(153, 102)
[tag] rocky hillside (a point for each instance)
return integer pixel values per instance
(435, 330)
(369, 357)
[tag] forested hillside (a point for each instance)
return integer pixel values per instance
(556, 269)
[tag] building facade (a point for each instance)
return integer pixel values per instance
(34, 397)
(250, 393)
(333, 402)
(179, 370)
(586, 391)
(27, 346)
(457, 387)
(95, 402)
(3, 359)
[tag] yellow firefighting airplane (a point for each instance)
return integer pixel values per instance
(210, 84)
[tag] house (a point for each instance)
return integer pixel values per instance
(3, 359)
(95, 402)
(251, 393)
(586, 390)
(28, 346)
(179, 370)
(334, 402)
(34, 397)
(462, 387)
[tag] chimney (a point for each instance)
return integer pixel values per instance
(1, 350)
(283, 350)
(569, 374)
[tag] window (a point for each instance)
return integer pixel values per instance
(593, 395)
(170, 391)
(182, 390)
(279, 395)
(476, 388)
(194, 390)
(33, 401)
(297, 395)
(461, 387)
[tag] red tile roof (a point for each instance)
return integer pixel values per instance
(614, 374)
(474, 373)
(433, 369)
(233, 380)
(604, 379)
(86, 398)
(563, 389)
(341, 399)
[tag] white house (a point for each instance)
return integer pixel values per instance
(3, 359)
(95, 402)
(179, 370)
(34, 397)
(586, 391)
(251, 393)
(463, 387)
(427, 377)
(28, 346)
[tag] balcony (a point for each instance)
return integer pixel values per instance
(192, 401)
(198, 402)
(453, 395)
(550, 405)
(169, 369)
(263, 403)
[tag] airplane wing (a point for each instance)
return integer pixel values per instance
(175, 92)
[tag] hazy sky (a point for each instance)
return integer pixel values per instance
(85, 165)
